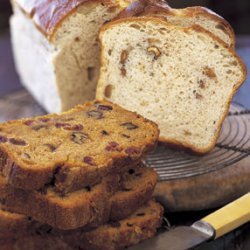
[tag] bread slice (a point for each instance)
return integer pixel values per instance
(88, 207)
(36, 242)
(74, 210)
(121, 234)
(182, 78)
(74, 149)
(13, 225)
(56, 49)
(113, 236)
(137, 187)
(196, 15)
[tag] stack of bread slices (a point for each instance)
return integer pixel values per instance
(76, 180)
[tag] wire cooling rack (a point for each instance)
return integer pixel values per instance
(233, 145)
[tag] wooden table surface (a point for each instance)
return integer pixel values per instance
(9, 83)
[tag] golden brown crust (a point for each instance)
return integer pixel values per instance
(68, 175)
(205, 191)
(197, 28)
(48, 15)
(222, 23)
(160, 8)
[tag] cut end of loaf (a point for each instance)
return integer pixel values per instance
(181, 78)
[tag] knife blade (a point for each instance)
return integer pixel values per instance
(211, 227)
(180, 238)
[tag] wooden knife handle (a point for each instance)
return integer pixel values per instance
(231, 216)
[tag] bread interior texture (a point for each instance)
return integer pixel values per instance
(181, 78)
(63, 71)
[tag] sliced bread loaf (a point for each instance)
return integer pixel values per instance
(113, 236)
(116, 235)
(36, 242)
(202, 16)
(56, 49)
(137, 187)
(89, 207)
(74, 210)
(182, 78)
(75, 149)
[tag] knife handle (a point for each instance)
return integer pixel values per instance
(231, 216)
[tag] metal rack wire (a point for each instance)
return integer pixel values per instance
(233, 145)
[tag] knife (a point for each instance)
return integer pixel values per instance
(211, 227)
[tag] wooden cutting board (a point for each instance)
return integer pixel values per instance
(207, 190)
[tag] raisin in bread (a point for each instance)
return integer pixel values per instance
(74, 149)
(56, 49)
(204, 17)
(182, 78)
(141, 225)
(87, 207)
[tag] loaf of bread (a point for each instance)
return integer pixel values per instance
(29, 235)
(89, 207)
(56, 49)
(182, 78)
(74, 149)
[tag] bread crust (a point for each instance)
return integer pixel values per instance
(205, 191)
(48, 15)
(197, 28)
(156, 8)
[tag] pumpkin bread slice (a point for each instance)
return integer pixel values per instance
(114, 198)
(74, 149)
(141, 225)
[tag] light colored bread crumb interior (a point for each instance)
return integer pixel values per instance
(180, 78)
(63, 72)
(77, 60)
